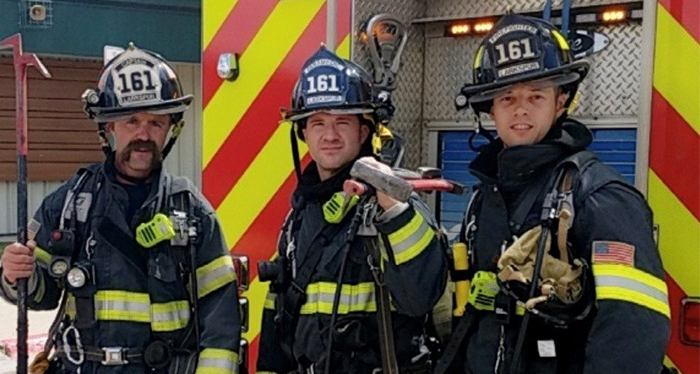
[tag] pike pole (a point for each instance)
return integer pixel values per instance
(21, 62)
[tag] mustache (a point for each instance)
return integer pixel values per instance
(140, 145)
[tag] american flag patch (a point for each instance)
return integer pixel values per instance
(613, 252)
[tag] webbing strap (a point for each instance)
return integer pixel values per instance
(295, 294)
(466, 322)
(387, 345)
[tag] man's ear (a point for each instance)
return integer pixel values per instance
(364, 133)
(561, 102)
(109, 127)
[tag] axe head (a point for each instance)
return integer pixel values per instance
(389, 184)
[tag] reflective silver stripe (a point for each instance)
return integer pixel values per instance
(414, 238)
(214, 275)
(353, 298)
(632, 285)
(174, 315)
(170, 316)
(122, 306)
(217, 361)
(409, 241)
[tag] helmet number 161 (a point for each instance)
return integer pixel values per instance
(322, 83)
(135, 82)
(517, 49)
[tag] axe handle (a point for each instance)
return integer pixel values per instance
(441, 185)
(353, 187)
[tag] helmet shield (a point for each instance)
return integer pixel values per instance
(330, 84)
(521, 49)
(136, 81)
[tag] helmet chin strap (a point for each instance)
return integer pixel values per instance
(295, 152)
(177, 129)
(479, 130)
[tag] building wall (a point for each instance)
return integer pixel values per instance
(184, 159)
(82, 27)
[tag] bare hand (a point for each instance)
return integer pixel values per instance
(18, 261)
(385, 201)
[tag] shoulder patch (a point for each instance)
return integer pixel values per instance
(613, 253)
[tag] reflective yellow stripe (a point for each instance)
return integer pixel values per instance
(353, 298)
(70, 307)
(410, 240)
(117, 305)
(625, 283)
(217, 361)
(561, 40)
(42, 255)
(170, 316)
(270, 301)
(477, 59)
(214, 275)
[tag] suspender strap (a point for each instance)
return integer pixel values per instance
(295, 294)
(454, 345)
(387, 345)
(525, 206)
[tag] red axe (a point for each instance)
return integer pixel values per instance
(400, 185)
(21, 62)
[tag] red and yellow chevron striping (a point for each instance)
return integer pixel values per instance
(248, 173)
(244, 20)
(687, 13)
(674, 160)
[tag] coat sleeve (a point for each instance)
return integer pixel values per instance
(217, 292)
(271, 355)
(414, 259)
(613, 228)
(44, 291)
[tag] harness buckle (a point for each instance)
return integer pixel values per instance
(114, 356)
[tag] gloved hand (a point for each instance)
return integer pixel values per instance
(385, 201)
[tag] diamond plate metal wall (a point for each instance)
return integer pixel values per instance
(408, 117)
(610, 90)
(435, 67)
(476, 8)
